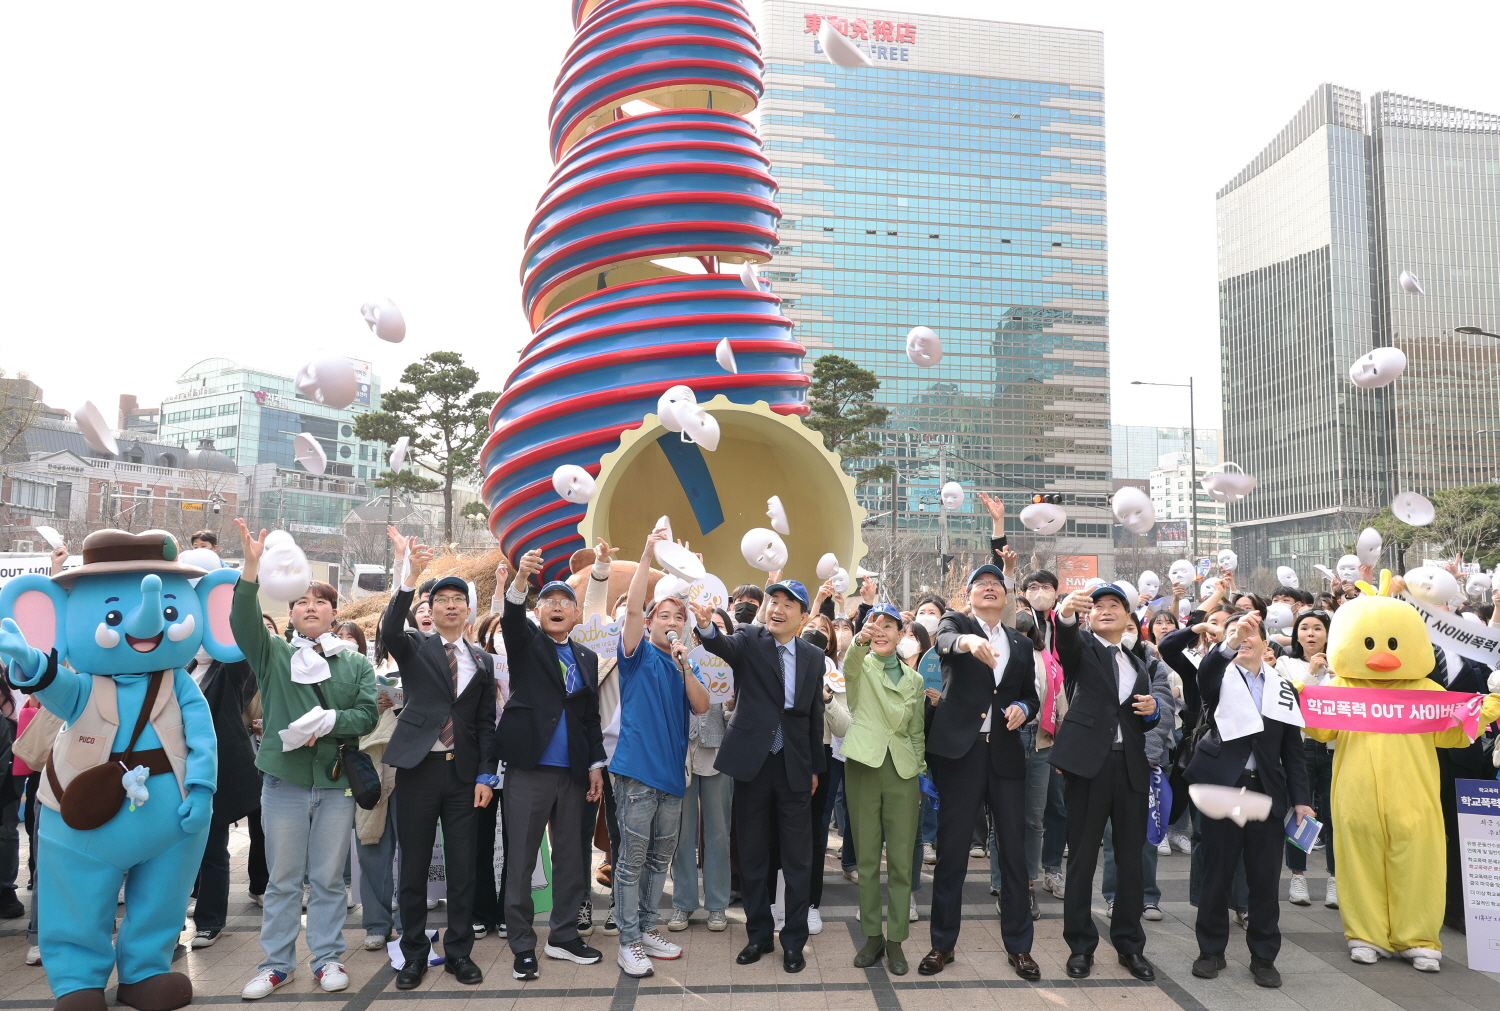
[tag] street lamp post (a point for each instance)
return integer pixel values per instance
(1474, 331)
(1192, 452)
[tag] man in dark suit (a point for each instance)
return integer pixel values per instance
(1269, 761)
(773, 749)
(553, 748)
(442, 750)
(974, 753)
(1100, 747)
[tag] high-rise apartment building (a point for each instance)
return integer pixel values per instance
(1138, 449)
(958, 184)
(1313, 237)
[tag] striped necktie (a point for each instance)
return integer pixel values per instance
(445, 736)
(777, 741)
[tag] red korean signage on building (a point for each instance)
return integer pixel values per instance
(880, 39)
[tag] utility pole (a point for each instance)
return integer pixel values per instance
(1193, 457)
(942, 510)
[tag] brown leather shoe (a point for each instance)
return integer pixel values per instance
(163, 992)
(91, 999)
(1025, 965)
(933, 962)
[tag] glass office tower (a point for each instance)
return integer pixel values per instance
(1313, 237)
(956, 184)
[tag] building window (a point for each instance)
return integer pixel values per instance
(31, 495)
(62, 499)
(364, 454)
(228, 432)
(177, 416)
(202, 412)
(229, 408)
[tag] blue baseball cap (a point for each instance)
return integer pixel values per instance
(558, 584)
(1110, 590)
(889, 610)
(793, 588)
(990, 570)
(449, 583)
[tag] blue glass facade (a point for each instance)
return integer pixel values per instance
(960, 188)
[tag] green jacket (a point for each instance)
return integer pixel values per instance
(882, 716)
(350, 689)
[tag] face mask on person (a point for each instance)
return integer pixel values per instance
(1042, 597)
(907, 648)
(929, 622)
(815, 637)
(1128, 639)
(744, 611)
(844, 637)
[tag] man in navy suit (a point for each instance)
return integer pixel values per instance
(773, 749)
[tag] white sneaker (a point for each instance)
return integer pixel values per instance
(633, 960)
(33, 955)
(679, 920)
(1296, 892)
(1053, 882)
(1163, 849)
(1364, 955)
(778, 916)
(929, 853)
(259, 900)
(266, 982)
(717, 920)
(332, 977)
(432, 903)
(1181, 841)
(374, 942)
(1331, 897)
(911, 914)
(1151, 912)
(348, 897)
(814, 920)
(1425, 963)
(977, 852)
(657, 946)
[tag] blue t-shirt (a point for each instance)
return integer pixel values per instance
(653, 719)
(556, 752)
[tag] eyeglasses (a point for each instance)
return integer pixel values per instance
(553, 602)
(450, 598)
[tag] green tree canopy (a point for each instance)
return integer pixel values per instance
(443, 416)
(843, 410)
(1467, 524)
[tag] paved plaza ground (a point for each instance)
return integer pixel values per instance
(1314, 964)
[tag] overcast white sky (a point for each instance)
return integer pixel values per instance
(186, 180)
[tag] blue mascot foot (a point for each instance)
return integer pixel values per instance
(164, 992)
(91, 999)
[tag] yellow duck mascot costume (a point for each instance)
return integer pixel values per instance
(1388, 837)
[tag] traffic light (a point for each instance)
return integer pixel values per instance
(1046, 499)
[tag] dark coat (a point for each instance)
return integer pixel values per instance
(1280, 760)
(760, 705)
(427, 688)
(539, 698)
(228, 688)
(1087, 731)
(970, 691)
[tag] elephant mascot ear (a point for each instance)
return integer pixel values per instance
(40, 607)
(216, 593)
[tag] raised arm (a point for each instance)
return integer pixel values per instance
(1173, 648)
(514, 628)
(596, 595)
(635, 596)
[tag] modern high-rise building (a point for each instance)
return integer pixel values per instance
(1138, 449)
(1314, 235)
(958, 184)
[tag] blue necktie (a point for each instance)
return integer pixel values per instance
(777, 742)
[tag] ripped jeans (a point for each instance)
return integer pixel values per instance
(649, 822)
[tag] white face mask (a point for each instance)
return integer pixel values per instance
(1042, 597)
(929, 622)
(1128, 640)
(907, 648)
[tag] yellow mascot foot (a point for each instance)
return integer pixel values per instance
(1366, 953)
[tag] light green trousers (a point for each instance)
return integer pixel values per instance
(883, 805)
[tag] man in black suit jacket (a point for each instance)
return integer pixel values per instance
(1100, 746)
(773, 749)
(553, 748)
(974, 753)
(442, 749)
(1269, 761)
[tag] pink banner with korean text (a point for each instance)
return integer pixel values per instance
(1390, 710)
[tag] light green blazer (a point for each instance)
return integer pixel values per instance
(882, 716)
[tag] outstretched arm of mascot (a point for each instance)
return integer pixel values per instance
(61, 690)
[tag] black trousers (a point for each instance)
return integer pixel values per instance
(489, 894)
(213, 878)
(965, 785)
(426, 794)
(754, 803)
(1107, 797)
(818, 842)
(260, 874)
(1260, 845)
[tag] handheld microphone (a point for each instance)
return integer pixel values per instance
(672, 637)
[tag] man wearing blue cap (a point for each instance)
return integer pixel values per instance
(975, 754)
(1100, 747)
(553, 748)
(773, 749)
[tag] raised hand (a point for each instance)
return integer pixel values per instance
(702, 613)
(59, 558)
(1077, 602)
(398, 540)
(997, 512)
(252, 548)
(868, 590)
(421, 556)
(529, 565)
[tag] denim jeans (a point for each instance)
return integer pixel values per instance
(715, 796)
(377, 876)
(1054, 823)
(1148, 870)
(927, 827)
(1038, 780)
(307, 835)
(848, 859)
(649, 823)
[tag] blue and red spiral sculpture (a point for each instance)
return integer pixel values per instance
(654, 162)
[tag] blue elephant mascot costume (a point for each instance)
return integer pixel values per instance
(128, 790)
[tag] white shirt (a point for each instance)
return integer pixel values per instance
(1000, 644)
(1124, 674)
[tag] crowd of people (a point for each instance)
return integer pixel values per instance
(1054, 717)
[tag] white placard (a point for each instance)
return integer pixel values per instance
(1479, 845)
(598, 634)
(719, 674)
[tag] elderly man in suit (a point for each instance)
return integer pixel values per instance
(1100, 746)
(442, 749)
(1270, 760)
(553, 748)
(773, 748)
(974, 752)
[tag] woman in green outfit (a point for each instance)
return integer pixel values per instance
(884, 752)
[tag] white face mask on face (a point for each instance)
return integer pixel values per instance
(907, 648)
(929, 622)
(1128, 639)
(1042, 597)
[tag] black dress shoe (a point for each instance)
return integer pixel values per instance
(792, 961)
(1207, 966)
(1079, 966)
(1265, 973)
(1025, 965)
(932, 963)
(410, 977)
(752, 952)
(464, 968)
(1138, 967)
